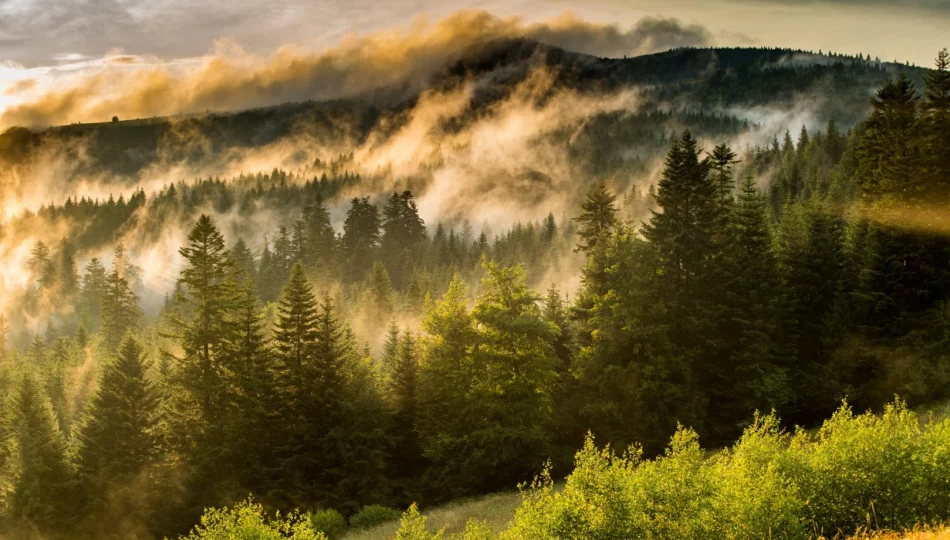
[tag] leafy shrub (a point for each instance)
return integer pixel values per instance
(329, 522)
(373, 515)
(859, 471)
(247, 521)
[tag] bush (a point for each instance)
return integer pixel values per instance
(247, 521)
(858, 472)
(370, 516)
(329, 522)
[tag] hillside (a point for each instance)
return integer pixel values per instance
(546, 265)
(728, 82)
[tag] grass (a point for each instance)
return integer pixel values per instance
(921, 534)
(497, 511)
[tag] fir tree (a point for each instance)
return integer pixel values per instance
(119, 310)
(93, 289)
(42, 489)
(118, 438)
(361, 235)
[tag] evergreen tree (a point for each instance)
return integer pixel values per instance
(93, 289)
(688, 237)
(255, 401)
(119, 310)
(321, 241)
(199, 382)
(42, 490)
(445, 378)
(381, 295)
(360, 238)
(756, 379)
(634, 385)
(244, 260)
(390, 354)
(39, 261)
(812, 262)
(68, 278)
(405, 452)
(723, 160)
(936, 127)
(514, 372)
(598, 217)
(295, 332)
(269, 279)
(403, 231)
(118, 439)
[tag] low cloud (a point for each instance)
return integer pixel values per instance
(229, 78)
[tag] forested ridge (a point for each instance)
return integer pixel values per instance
(391, 361)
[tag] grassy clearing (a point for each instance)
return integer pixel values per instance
(496, 511)
(921, 534)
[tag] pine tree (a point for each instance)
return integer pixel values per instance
(321, 246)
(93, 289)
(269, 279)
(284, 257)
(596, 224)
(598, 217)
(390, 354)
(687, 236)
(42, 490)
(565, 393)
(39, 261)
(755, 379)
(723, 160)
(119, 310)
(199, 383)
(634, 385)
(255, 402)
(889, 147)
(295, 332)
(683, 232)
(812, 262)
(381, 294)
(334, 436)
(244, 260)
(118, 438)
(402, 391)
(446, 375)
(68, 278)
(515, 369)
(549, 229)
(936, 126)
(403, 232)
(361, 236)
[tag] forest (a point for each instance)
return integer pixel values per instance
(347, 357)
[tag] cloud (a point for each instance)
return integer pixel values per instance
(650, 34)
(131, 86)
(936, 5)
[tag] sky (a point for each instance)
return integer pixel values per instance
(50, 49)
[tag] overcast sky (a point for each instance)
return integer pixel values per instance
(38, 32)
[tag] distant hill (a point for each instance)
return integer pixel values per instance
(689, 82)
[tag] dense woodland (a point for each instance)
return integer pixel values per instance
(705, 297)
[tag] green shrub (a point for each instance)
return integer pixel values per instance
(373, 515)
(247, 521)
(329, 522)
(858, 471)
